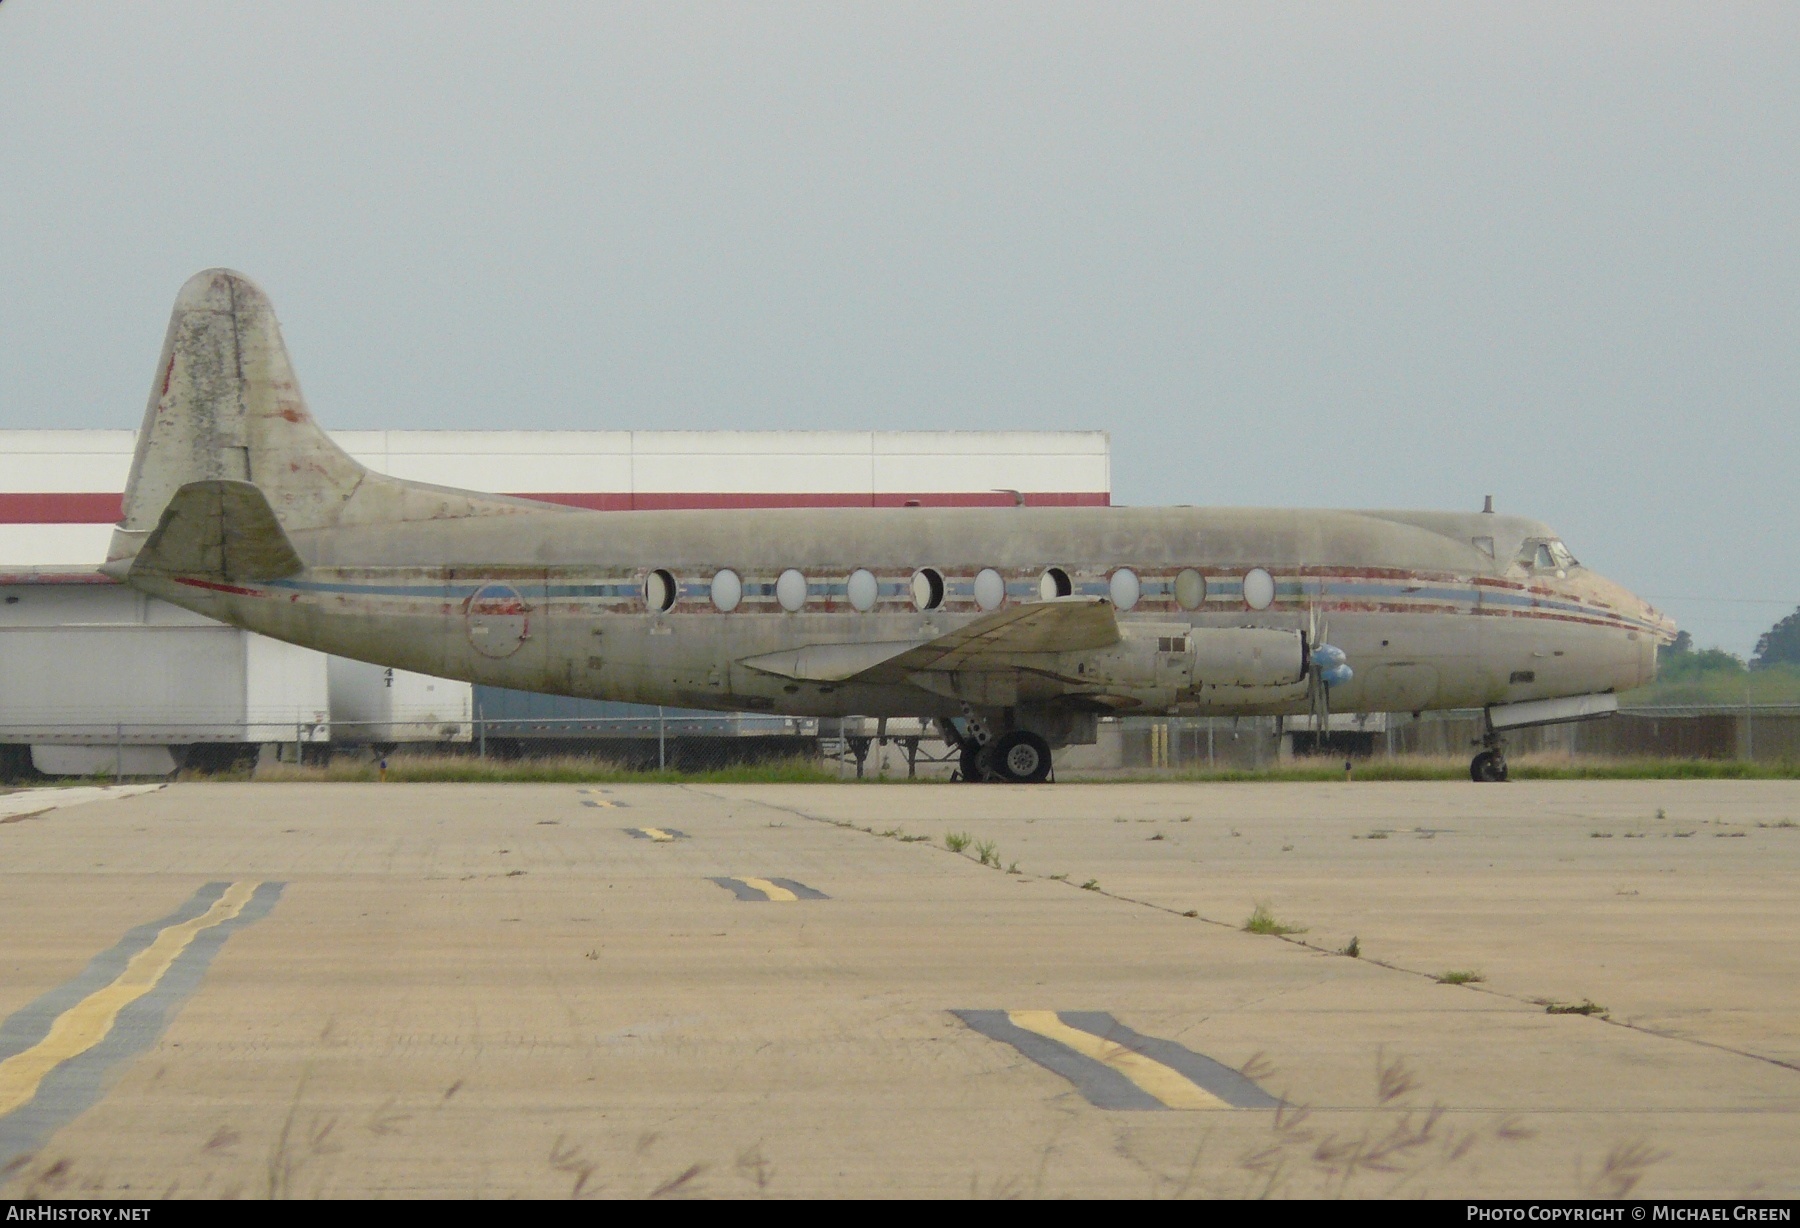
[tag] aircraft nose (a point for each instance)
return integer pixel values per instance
(1663, 627)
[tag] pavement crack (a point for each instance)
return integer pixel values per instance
(1067, 880)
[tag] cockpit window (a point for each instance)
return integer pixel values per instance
(1546, 554)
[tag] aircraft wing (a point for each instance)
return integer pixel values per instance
(1062, 624)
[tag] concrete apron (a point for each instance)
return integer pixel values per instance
(501, 990)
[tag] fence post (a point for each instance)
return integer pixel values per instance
(662, 754)
(481, 730)
(118, 752)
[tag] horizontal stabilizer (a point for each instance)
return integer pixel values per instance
(219, 530)
(1064, 624)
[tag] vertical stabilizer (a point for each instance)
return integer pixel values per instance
(226, 407)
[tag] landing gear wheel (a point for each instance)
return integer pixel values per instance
(1019, 758)
(971, 764)
(1489, 767)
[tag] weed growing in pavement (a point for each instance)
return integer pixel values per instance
(987, 853)
(1262, 921)
(1459, 978)
(1584, 1007)
(1398, 1144)
(1092, 884)
(1621, 1170)
(1354, 950)
(957, 841)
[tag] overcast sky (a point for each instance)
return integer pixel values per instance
(1321, 255)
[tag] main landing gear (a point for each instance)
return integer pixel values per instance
(1017, 757)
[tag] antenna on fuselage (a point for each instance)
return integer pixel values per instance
(1487, 507)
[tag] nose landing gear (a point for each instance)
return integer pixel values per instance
(1488, 767)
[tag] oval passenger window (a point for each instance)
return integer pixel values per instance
(862, 589)
(727, 590)
(990, 589)
(660, 590)
(1259, 588)
(1190, 589)
(1054, 583)
(1125, 588)
(790, 590)
(927, 589)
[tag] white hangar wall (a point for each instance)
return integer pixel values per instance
(96, 678)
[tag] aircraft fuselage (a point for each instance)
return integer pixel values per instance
(566, 602)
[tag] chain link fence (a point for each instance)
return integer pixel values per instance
(861, 747)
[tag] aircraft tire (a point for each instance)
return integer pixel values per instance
(971, 764)
(1489, 767)
(1020, 758)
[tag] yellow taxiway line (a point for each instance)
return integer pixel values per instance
(656, 833)
(86, 1024)
(780, 895)
(1165, 1083)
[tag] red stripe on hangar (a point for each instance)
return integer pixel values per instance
(59, 507)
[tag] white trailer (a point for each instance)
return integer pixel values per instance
(373, 705)
(98, 679)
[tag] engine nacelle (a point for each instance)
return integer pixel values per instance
(1159, 664)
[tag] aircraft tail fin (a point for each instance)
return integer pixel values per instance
(225, 407)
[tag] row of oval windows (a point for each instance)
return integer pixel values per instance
(927, 589)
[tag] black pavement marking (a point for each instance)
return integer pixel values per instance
(743, 889)
(1105, 1087)
(76, 1085)
(1221, 1080)
(1101, 1085)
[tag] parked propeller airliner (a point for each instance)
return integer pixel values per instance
(1013, 628)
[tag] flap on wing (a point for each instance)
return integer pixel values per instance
(1064, 624)
(219, 529)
